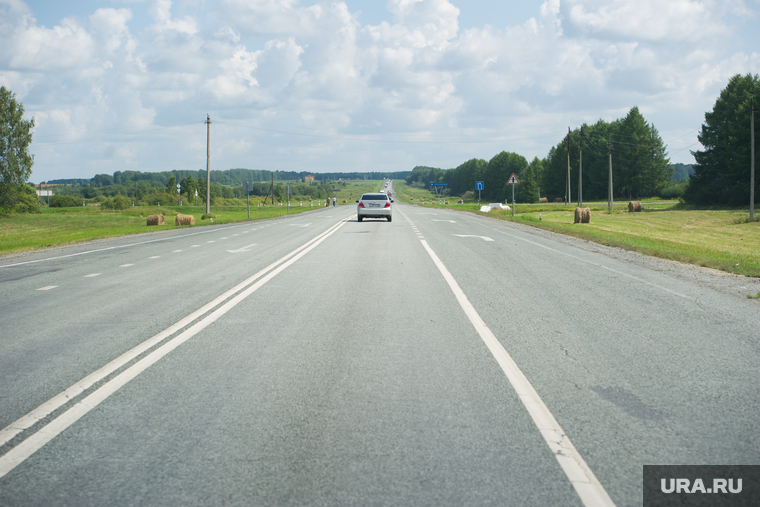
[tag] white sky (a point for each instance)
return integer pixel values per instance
(357, 85)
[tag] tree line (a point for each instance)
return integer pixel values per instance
(640, 164)
(229, 177)
(639, 159)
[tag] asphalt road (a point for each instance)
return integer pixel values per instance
(316, 360)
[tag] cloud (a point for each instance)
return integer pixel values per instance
(313, 70)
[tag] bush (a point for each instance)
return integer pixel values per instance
(205, 217)
(65, 201)
(117, 202)
(160, 197)
(672, 190)
(28, 201)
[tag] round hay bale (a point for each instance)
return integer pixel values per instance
(543, 199)
(586, 216)
(184, 220)
(557, 199)
(578, 215)
(156, 219)
(634, 206)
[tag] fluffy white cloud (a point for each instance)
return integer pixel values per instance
(291, 81)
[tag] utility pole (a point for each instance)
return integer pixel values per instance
(752, 159)
(580, 174)
(567, 193)
(248, 196)
(611, 200)
(208, 165)
(272, 188)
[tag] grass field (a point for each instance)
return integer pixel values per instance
(717, 238)
(65, 226)
(721, 239)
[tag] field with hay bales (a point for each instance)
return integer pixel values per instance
(722, 239)
(717, 238)
(64, 226)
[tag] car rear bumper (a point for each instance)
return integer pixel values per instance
(374, 212)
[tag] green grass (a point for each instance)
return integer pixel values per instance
(65, 226)
(722, 239)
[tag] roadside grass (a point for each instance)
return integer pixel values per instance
(722, 239)
(65, 226)
(717, 238)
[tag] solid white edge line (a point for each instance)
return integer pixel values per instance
(54, 403)
(112, 247)
(588, 488)
(21, 452)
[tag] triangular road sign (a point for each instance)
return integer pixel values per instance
(513, 180)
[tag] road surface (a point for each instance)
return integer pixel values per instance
(440, 359)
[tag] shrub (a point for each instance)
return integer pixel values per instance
(117, 202)
(210, 215)
(65, 201)
(28, 201)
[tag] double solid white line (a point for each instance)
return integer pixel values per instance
(33, 443)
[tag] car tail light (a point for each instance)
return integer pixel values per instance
(387, 205)
(361, 204)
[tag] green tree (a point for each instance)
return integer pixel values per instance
(640, 157)
(15, 160)
(171, 186)
(527, 190)
(722, 169)
(498, 171)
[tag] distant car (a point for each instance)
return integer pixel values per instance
(374, 206)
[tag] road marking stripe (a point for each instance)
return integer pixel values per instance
(53, 404)
(589, 489)
(48, 287)
(154, 257)
(126, 265)
(91, 275)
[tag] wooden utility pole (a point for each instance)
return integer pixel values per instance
(752, 159)
(580, 174)
(208, 165)
(272, 189)
(611, 200)
(567, 193)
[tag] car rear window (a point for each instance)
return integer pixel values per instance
(374, 197)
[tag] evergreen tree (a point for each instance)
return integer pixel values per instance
(722, 170)
(527, 190)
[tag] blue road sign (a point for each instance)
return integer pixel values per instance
(439, 184)
(478, 185)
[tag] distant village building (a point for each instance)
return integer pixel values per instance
(308, 179)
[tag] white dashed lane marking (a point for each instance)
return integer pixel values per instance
(91, 275)
(48, 287)
(126, 265)
(154, 257)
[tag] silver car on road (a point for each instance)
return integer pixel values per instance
(374, 206)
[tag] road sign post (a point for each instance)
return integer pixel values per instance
(479, 187)
(438, 187)
(513, 181)
(179, 196)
